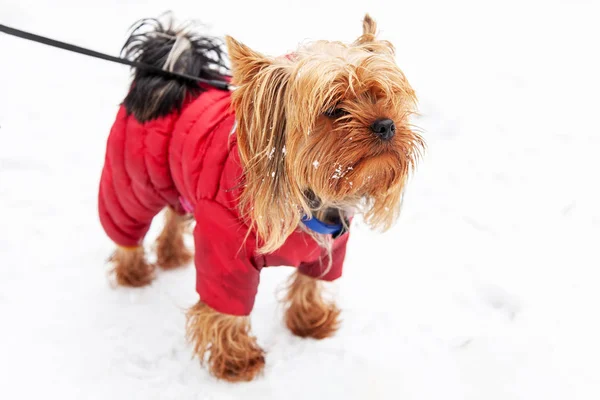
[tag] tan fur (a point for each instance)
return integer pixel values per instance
(131, 268)
(224, 343)
(369, 30)
(282, 131)
(170, 248)
(292, 152)
(307, 313)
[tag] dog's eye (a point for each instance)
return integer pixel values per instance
(336, 112)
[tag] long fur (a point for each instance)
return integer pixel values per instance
(261, 134)
(224, 342)
(289, 146)
(307, 313)
(175, 49)
(171, 251)
(297, 158)
(130, 267)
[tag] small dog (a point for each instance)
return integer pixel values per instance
(272, 172)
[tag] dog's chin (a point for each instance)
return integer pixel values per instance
(378, 174)
(371, 177)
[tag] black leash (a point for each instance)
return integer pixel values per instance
(81, 50)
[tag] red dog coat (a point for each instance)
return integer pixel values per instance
(192, 155)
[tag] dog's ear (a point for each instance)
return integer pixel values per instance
(369, 27)
(245, 62)
(368, 38)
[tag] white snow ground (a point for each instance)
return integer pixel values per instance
(487, 288)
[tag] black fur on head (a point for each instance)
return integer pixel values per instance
(177, 50)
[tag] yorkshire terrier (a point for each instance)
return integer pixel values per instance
(272, 171)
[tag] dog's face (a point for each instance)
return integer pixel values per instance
(330, 120)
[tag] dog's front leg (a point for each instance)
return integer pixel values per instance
(224, 343)
(307, 313)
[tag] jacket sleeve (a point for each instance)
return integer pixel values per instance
(227, 276)
(318, 269)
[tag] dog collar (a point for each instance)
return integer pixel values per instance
(312, 223)
(316, 225)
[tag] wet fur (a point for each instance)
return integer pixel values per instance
(307, 313)
(282, 129)
(130, 267)
(171, 251)
(224, 343)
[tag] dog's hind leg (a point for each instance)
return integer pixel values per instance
(126, 221)
(171, 251)
(131, 267)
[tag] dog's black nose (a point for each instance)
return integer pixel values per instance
(384, 128)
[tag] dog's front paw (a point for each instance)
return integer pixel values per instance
(237, 368)
(224, 343)
(318, 321)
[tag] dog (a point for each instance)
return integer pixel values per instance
(272, 172)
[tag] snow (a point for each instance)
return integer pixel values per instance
(487, 288)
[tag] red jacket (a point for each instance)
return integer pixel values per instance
(193, 155)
